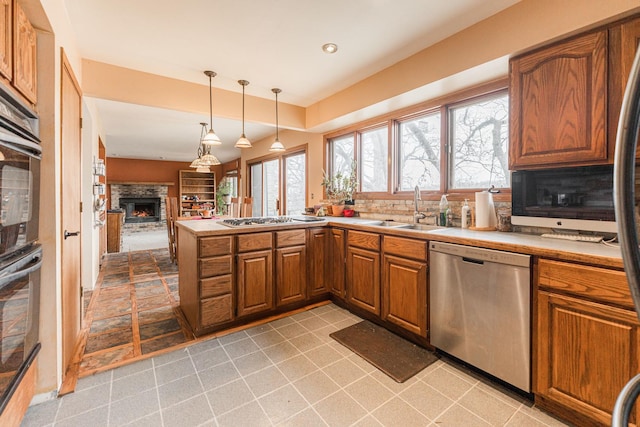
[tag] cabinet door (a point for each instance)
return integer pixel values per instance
(363, 279)
(624, 44)
(558, 104)
(586, 352)
(291, 275)
(404, 294)
(255, 282)
(318, 239)
(337, 262)
(24, 55)
(6, 37)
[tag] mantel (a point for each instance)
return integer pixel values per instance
(139, 183)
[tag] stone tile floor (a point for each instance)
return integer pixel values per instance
(288, 372)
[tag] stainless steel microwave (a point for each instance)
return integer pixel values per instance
(576, 198)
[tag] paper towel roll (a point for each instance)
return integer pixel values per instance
(485, 210)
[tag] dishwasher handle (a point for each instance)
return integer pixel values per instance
(472, 260)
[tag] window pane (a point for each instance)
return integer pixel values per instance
(295, 184)
(341, 154)
(256, 188)
(373, 164)
(419, 153)
(270, 191)
(479, 138)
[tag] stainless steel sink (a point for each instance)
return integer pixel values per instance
(421, 227)
(388, 224)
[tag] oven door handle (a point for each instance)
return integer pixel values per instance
(34, 264)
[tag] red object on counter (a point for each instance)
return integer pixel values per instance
(348, 212)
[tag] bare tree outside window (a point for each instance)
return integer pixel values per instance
(480, 137)
(295, 184)
(419, 153)
(374, 160)
(342, 154)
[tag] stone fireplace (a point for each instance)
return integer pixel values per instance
(143, 205)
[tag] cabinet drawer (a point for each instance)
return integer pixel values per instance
(214, 286)
(408, 248)
(215, 266)
(290, 238)
(363, 240)
(254, 241)
(609, 286)
(212, 246)
(216, 310)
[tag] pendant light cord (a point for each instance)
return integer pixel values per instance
(277, 136)
(210, 106)
(243, 109)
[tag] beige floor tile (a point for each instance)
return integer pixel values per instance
(340, 409)
(369, 392)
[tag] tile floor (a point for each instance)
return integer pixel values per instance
(288, 372)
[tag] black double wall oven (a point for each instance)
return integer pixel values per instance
(20, 250)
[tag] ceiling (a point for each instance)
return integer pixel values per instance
(271, 43)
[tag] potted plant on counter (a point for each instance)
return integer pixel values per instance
(339, 188)
(223, 195)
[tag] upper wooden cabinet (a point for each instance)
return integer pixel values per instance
(6, 39)
(558, 98)
(24, 55)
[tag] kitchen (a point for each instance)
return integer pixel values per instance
(567, 22)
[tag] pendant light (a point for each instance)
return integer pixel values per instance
(211, 138)
(277, 145)
(205, 158)
(243, 142)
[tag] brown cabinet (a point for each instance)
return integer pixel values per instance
(337, 262)
(24, 55)
(587, 341)
(114, 231)
(6, 39)
(558, 104)
(404, 283)
(318, 261)
(363, 271)
(197, 192)
(255, 273)
(291, 267)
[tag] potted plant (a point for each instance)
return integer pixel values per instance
(339, 188)
(223, 195)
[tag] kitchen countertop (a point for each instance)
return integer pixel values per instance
(584, 252)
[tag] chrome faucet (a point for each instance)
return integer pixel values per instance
(417, 215)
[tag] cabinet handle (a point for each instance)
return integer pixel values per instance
(72, 234)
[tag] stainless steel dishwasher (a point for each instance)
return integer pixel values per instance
(480, 309)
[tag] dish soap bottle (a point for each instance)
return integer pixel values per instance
(444, 207)
(465, 215)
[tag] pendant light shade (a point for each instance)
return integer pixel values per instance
(277, 145)
(243, 142)
(211, 138)
(205, 158)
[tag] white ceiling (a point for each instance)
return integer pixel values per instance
(271, 43)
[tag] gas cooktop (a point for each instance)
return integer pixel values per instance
(266, 220)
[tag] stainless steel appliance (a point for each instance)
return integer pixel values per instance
(625, 200)
(20, 253)
(480, 309)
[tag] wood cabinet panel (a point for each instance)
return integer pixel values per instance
(404, 290)
(24, 55)
(363, 279)
(216, 310)
(604, 285)
(558, 104)
(255, 241)
(213, 246)
(6, 39)
(197, 192)
(408, 248)
(215, 266)
(318, 261)
(291, 275)
(290, 238)
(255, 282)
(586, 352)
(215, 286)
(337, 262)
(363, 240)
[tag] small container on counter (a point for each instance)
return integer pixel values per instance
(465, 214)
(504, 220)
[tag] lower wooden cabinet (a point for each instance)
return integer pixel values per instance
(255, 282)
(587, 341)
(291, 275)
(363, 279)
(404, 293)
(337, 262)
(318, 262)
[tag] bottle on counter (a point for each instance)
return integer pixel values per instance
(444, 207)
(465, 215)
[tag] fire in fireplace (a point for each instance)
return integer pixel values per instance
(140, 209)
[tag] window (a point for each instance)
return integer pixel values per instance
(419, 153)
(295, 184)
(341, 154)
(374, 146)
(479, 143)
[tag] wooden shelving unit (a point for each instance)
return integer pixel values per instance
(197, 192)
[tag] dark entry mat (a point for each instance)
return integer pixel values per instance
(395, 356)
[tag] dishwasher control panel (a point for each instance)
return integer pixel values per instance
(481, 254)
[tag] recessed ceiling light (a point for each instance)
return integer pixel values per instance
(330, 48)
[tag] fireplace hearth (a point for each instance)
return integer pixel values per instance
(140, 209)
